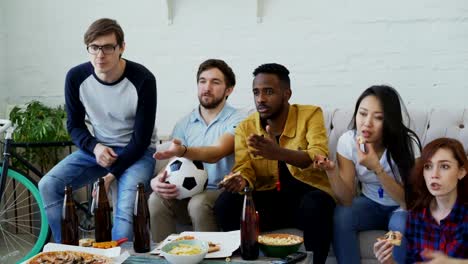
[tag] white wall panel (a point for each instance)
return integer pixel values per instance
(334, 49)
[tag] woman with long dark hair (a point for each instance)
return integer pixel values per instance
(381, 164)
(437, 226)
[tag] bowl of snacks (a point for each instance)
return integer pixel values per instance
(185, 251)
(279, 245)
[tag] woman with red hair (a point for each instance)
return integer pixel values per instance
(437, 225)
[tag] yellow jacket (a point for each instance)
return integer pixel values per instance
(304, 130)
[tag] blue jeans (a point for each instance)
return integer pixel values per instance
(365, 214)
(80, 169)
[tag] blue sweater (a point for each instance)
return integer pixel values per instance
(121, 113)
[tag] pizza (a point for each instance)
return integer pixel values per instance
(394, 237)
(212, 247)
(59, 257)
(362, 143)
(361, 140)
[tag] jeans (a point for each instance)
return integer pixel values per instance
(80, 169)
(310, 211)
(365, 214)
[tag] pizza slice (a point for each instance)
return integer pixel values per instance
(58, 257)
(212, 247)
(228, 178)
(394, 237)
(362, 143)
(184, 238)
(361, 140)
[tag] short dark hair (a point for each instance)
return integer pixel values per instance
(102, 27)
(422, 195)
(229, 76)
(277, 69)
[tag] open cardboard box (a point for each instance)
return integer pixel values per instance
(114, 253)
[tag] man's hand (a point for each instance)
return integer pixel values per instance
(163, 189)
(105, 156)
(265, 147)
(233, 183)
(323, 163)
(175, 149)
(435, 257)
(383, 252)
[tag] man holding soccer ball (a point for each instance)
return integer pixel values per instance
(206, 134)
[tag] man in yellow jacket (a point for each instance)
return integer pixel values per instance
(274, 153)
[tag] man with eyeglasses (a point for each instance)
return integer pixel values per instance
(118, 98)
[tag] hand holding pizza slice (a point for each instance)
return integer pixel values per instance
(394, 237)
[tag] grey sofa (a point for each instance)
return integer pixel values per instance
(428, 124)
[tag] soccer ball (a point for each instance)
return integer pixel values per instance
(189, 176)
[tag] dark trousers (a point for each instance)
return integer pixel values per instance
(310, 210)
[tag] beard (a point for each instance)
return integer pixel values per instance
(274, 114)
(211, 102)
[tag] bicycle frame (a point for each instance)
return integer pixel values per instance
(8, 128)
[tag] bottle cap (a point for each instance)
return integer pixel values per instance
(140, 185)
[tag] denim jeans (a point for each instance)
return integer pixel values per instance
(365, 214)
(80, 169)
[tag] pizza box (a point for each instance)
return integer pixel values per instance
(228, 241)
(113, 253)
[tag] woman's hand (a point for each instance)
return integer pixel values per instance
(383, 252)
(368, 159)
(435, 257)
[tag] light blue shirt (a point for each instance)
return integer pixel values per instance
(193, 132)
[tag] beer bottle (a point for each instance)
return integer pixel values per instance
(141, 221)
(102, 215)
(249, 228)
(69, 219)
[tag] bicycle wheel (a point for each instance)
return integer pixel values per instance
(23, 221)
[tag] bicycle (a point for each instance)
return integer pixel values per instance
(23, 223)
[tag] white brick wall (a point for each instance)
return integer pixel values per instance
(334, 49)
(3, 63)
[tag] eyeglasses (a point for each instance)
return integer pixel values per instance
(106, 49)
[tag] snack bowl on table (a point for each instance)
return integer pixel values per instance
(185, 251)
(279, 245)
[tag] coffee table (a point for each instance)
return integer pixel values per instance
(140, 258)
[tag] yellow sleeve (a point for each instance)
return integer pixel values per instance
(316, 134)
(242, 157)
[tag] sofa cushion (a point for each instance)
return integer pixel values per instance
(447, 123)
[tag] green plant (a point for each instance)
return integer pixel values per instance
(39, 123)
